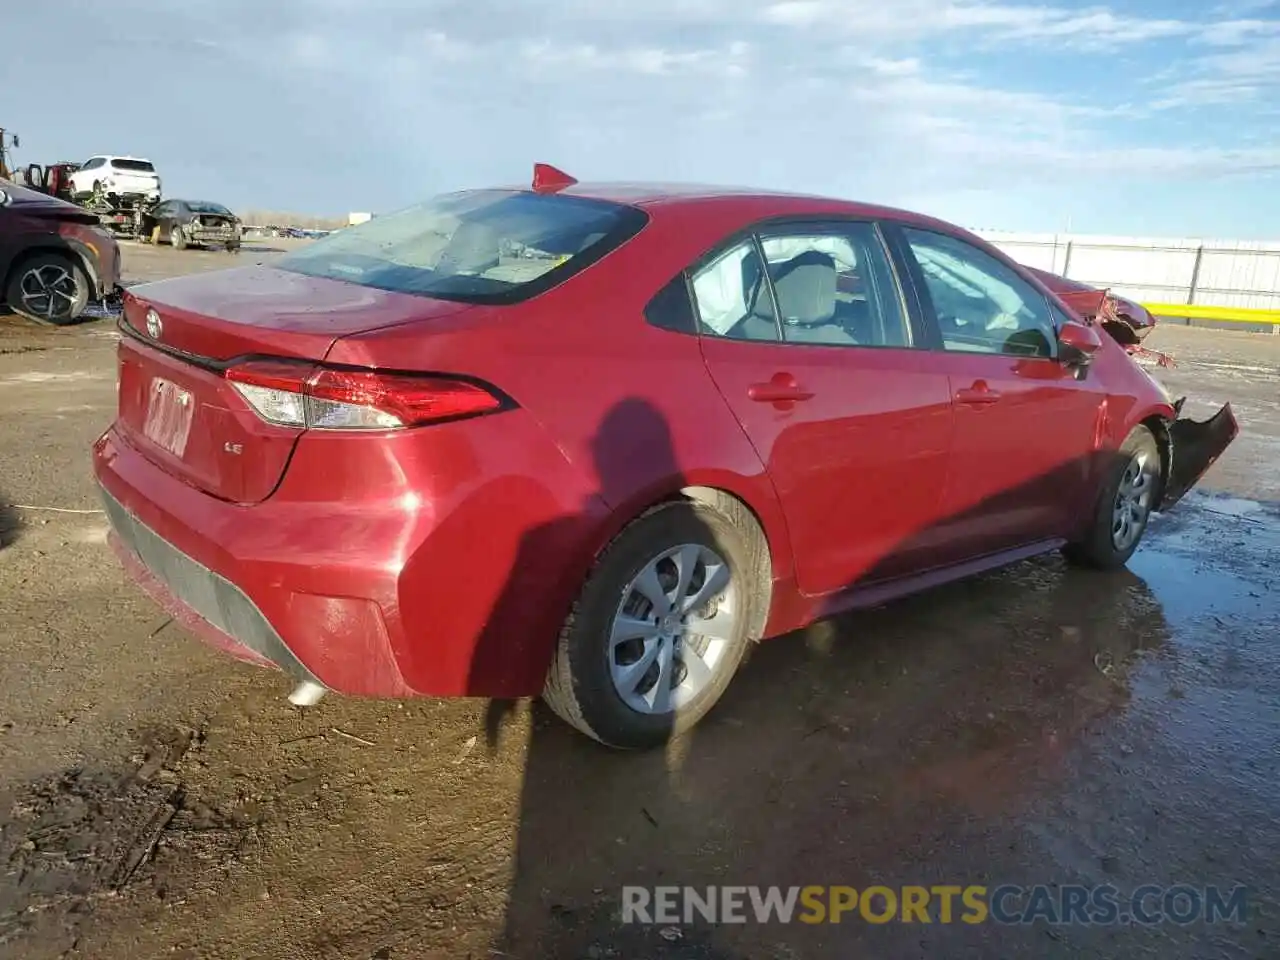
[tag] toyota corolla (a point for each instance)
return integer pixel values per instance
(592, 442)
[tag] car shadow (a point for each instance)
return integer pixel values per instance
(10, 523)
(830, 750)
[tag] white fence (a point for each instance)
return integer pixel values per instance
(1219, 273)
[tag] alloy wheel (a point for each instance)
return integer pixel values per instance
(1133, 502)
(48, 291)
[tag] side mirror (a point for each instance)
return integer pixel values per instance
(1079, 342)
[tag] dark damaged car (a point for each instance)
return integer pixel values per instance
(55, 259)
(193, 223)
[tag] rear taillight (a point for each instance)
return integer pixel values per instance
(324, 398)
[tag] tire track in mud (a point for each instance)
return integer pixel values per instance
(74, 839)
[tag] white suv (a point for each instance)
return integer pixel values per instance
(116, 176)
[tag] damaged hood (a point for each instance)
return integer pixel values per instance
(1123, 319)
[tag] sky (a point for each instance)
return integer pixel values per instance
(1141, 117)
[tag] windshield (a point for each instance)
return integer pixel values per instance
(201, 206)
(143, 166)
(483, 246)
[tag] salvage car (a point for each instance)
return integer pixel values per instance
(192, 223)
(593, 442)
(55, 260)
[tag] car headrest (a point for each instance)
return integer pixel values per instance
(806, 288)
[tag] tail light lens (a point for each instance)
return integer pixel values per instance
(323, 398)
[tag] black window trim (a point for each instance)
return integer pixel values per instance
(922, 334)
(914, 269)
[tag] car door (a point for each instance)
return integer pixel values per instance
(1025, 420)
(82, 179)
(808, 336)
(167, 214)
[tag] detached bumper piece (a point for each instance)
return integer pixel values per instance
(110, 307)
(1196, 445)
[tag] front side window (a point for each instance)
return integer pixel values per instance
(982, 306)
(483, 246)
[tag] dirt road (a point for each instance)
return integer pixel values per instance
(1035, 726)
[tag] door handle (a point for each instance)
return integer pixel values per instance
(781, 388)
(977, 394)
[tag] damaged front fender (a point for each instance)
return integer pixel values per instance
(1195, 445)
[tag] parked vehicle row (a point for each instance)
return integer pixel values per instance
(125, 194)
(593, 442)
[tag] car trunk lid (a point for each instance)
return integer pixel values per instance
(176, 405)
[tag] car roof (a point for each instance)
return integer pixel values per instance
(763, 203)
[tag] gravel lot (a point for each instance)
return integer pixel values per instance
(1036, 725)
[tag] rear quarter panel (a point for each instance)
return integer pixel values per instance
(631, 406)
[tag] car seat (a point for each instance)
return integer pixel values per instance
(806, 289)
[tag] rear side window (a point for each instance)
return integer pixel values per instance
(822, 284)
(138, 166)
(202, 206)
(484, 246)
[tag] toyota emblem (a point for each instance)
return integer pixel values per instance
(154, 326)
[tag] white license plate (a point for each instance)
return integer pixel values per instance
(170, 410)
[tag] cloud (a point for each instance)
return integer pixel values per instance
(324, 103)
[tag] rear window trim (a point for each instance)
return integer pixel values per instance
(632, 220)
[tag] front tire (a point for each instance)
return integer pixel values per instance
(661, 624)
(49, 288)
(1124, 505)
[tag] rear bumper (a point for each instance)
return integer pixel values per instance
(371, 589)
(1195, 446)
(208, 604)
(211, 235)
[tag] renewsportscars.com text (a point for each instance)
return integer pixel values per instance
(969, 904)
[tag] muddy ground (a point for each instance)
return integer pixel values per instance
(1036, 725)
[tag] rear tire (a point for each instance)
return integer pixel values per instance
(177, 237)
(703, 565)
(1124, 505)
(48, 288)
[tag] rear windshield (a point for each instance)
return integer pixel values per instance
(483, 246)
(144, 166)
(202, 206)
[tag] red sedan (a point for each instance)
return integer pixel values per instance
(592, 442)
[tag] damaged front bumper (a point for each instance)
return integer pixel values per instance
(1195, 446)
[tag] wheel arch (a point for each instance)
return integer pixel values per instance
(769, 537)
(1159, 425)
